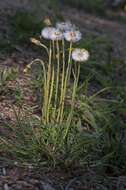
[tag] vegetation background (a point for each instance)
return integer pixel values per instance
(95, 157)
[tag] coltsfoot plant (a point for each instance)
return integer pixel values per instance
(74, 129)
(63, 61)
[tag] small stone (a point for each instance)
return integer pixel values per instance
(6, 187)
(4, 171)
(30, 167)
(15, 163)
(47, 186)
(17, 187)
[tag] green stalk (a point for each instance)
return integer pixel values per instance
(57, 78)
(51, 92)
(76, 79)
(45, 86)
(68, 72)
(48, 83)
(45, 83)
(53, 46)
(76, 75)
(63, 77)
(69, 60)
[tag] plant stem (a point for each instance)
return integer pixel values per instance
(43, 117)
(62, 82)
(76, 75)
(68, 72)
(54, 53)
(57, 78)
(48, 83)
(51, 92)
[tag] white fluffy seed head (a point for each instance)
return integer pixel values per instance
(80, 55)
(46, 32)
(56, 35)
(51, 33)
(65, 26)
(73, 36)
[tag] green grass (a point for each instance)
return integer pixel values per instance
(94, 141)
(6, 75)
(24, 25)
(36, 143)
(95, 138)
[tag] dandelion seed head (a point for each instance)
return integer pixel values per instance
(52, 33)
(46, 32)
(56, 35)
(80, 55)
(65, 26)
(73, 36)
